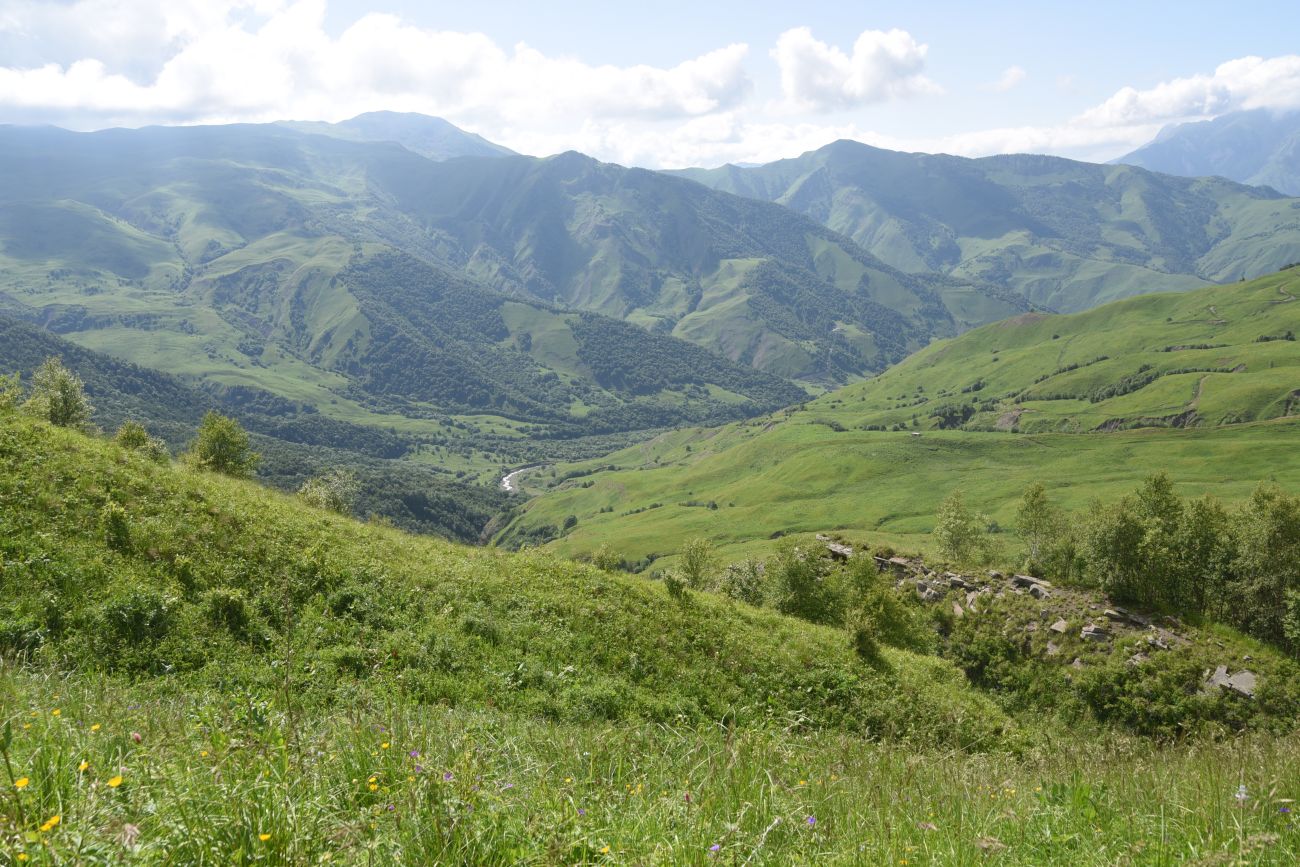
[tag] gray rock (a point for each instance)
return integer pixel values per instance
(1137, 659)
(1092, 632)
(1060, 627)
(1038, 591)
(838, 551)
(1028, 581)
(1242, 683)
(1078, 663)
(1052, 648)
(957, 610)
(995, 574)
(1157, 642)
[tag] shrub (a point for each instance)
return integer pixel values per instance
(136, 616)
(335, 491)
(116, 525)
(960, 533)
(744, 582)
(804, 586)
(58, 396)
(227, 608)
(697, 563)
(606, 559)
(133, 437)
(11, 391)
(222, 446)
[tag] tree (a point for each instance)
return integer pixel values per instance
(222, 446)
(1038, 521)
(803, 585)
(58, 396)
(958, 531)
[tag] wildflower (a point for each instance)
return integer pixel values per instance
(96, 727)
(568, 779)
(447, 778)
(264, 837)
(1284, 810)
(384, 745)
(811, 820)
(22, 856)
(50, 823)
(419, 769)
(415, 754)
(21, 783)
(26, 726)
(114, 782)
(81, 768)
(803, 782)
(56, 712)
(713, 850)
(203, 754)
(136, 737)
(581, 812)
(410, 779)
(1241, 795)
(604, 850)
(374, 787)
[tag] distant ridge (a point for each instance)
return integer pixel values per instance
(1259, 147)
(427, 136)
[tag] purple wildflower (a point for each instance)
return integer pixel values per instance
(415, 754)
(811, 820)
(446, 778)
(507, 786)
(1284, 810)
(581, 812)
(419, 769)
(391, 807)
(715, 847)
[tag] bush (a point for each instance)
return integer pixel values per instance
(745, 582)
(805, 586)
(135, 617)
(335, 491)
(116, 525)
(222, 446)
(133, 437)
(227, 608)
(697, 563)
(959, 533)
(58, 396)
(11, 391)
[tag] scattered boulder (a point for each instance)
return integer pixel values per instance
(1157, 642)
(1052, 648)
(1242, 683)
(957, 610)
(1027, 581)
(1038, 591)
(957, 582)
(1092, 632)
(838, 551)
(1060, 627)
(1137, 659)
(1078, 663)
(995, 575)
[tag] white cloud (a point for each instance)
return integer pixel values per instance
(266, 60)
(1244, 83)
(819, 77)
(1010, 77)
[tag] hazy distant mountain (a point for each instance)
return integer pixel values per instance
(430, 137)
(1062, 233)
(1259, 147)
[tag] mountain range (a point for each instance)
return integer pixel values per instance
(1259, 146)
(1063, 234)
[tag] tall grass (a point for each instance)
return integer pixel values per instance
(235, 779)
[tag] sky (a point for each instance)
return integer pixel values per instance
(665, 84)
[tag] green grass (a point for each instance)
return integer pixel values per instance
(829, 466)
(212, 773)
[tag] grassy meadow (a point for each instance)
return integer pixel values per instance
(1200, 384)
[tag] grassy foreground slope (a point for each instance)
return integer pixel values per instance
(111, 563)
(1203, 384)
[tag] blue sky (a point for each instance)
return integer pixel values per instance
(662, 84)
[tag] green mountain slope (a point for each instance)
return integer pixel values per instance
(246, 257)
(1064, 234)
(1203, 384)
(1259, 147)
(430, 137)
(124, 565)
(294, 440)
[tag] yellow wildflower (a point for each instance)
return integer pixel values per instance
(264, 837)
(604, 850)
(114, 782)
(95, 727)
(203, 754)
(22, 856)
(384, 745)
(568, 779)
(21, 783)
(50, 823)
(374, 787)
(84, 764)
(56, 712)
